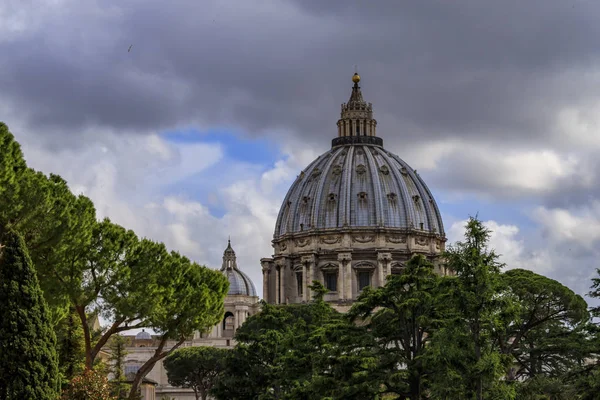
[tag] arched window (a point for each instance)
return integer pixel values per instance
(228, 321)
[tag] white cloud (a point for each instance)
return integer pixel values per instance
(578, 227)
(130, 178)
(507, 242)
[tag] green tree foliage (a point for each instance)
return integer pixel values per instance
(90, 385)
(70, 347)
(118, 351)
(298, 351)
(545, 327)
(12, 166)
(462, 349)
(99, 268)
(188, 298)
(401, 317)
(196, 368)
(28, 360)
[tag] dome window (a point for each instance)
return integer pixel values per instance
(392, 196)
(332, 196)
(384, 170)
(362, 195)
(361, 169)
(416, 198)
(305, 199)
(337, 170)
(403, 171)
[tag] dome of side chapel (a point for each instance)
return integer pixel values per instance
(239, 282)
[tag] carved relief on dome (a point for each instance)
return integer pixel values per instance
(361, 169)
(302, 242)
(421, 241)
(395, 239)
(363, 238)
(331, 239)
(437, 245)
(282, 246)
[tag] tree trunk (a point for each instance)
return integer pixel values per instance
(159, 354)
(89, 360)
(104, 339)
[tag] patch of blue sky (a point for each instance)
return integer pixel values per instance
(513, 212)
(243, 158)
(237, 146)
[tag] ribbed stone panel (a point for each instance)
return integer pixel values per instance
(239, 283)
(358, 186)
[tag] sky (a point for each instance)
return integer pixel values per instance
(188, 122)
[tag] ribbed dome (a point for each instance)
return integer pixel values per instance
(239, 282)
(143, 335)
(358, 185)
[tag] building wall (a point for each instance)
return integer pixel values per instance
(237, 309)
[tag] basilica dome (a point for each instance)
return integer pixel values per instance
(239, 282)
(358, 184)
(354, 216)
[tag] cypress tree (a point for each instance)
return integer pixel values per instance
(28, 360)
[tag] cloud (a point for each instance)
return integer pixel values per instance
(579, 227)
(555, 248)
(510, 246)
(490, 100)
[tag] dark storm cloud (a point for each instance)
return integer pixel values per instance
(481, 72)
(432, 69)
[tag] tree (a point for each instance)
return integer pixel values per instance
(401, 317)
(189, 298)
(90, 385)
(463, 348)
(70, 347)
(12, 165)
(544, 330)
(116, 359)
(196, 368)
(28, 360)
(297, 351)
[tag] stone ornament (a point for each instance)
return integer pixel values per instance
(302, 242)
(422, 241)
(333, 239)
(395, 239)
(344, 256)
(363, 238)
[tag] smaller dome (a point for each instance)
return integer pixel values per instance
(239, 282)
(143, 335)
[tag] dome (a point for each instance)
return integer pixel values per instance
(355, 186)
(143, 335)
(239, 282)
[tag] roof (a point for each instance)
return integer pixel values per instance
(239, 282)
